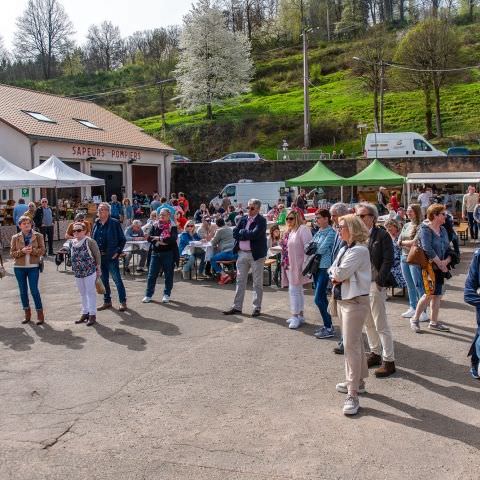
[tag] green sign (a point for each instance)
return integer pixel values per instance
(25, 192)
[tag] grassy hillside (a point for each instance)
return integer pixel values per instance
(274, 108)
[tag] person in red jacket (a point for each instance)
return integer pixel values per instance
(394, 201)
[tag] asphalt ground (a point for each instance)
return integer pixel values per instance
(180, 391)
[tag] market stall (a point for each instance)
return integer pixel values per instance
(12, 177)
(318, 176)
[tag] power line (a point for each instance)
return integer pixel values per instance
(132, 87)
(412, 69)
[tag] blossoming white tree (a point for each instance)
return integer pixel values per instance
(214, 62)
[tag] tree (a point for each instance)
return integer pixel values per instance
(105, 47)
(214, 62)
(433, 46)
(44, 33)
(370, 68)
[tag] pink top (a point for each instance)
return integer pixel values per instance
(296, 256)
(245, 244)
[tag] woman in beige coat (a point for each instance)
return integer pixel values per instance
(26, 248)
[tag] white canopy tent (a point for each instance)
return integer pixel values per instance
(65, 176)
(12, 177)
(470, 178)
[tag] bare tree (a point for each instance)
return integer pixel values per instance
(44, 33)
(370, 68)
(431, 45)
(105, 47)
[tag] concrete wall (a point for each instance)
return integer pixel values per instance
(202, 181)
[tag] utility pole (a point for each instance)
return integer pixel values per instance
(382, 82)
(306, 100)
(328, 23)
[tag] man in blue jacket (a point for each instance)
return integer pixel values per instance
(108, 234)
(250, 236)
(472, 297)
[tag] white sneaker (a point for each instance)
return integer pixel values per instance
(295, 323)
(424, 317)
(166, 299)
(409, 313)
(147, 299)
(351, 405)
(343, 387)
(288, 320)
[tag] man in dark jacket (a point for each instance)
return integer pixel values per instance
(43, 220)
(108, 234)
(379, 333)
(471, 296)
(250, 236)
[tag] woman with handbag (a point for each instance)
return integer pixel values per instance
(86, 261)
(411, 273)
(293, 258)
(434, 242)
(26, 248)
(351, 277)
(322, 244)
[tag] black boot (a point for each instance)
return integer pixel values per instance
(83, 318)
(91, 320)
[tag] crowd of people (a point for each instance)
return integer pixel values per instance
(349, 254)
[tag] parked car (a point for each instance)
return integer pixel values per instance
(181, 159)
(399, 145)
(458, 151)
(240, 157)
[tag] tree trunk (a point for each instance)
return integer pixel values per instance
(428, 112)
(209, 111)
(438, 116)
(401, 10)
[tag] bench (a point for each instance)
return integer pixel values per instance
(269, 263)
(462, 232)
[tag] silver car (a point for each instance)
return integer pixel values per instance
(240, 157)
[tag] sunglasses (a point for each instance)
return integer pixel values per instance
(190, 226)
(78, 230)
(252, 207)
(290, 218)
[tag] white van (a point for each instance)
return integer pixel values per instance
(399, 145)
(242, 191)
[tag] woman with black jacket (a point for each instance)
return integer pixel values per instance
(164, 253)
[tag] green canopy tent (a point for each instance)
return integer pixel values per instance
(376, 174)
(318, 176)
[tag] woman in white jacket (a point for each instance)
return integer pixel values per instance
(350, 274)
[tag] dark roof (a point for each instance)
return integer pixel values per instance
(65, 113)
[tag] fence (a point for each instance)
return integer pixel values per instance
(307, 155)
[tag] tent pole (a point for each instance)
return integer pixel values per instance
(408, 195)
(104, 199)
(341, 193)
(56, 213)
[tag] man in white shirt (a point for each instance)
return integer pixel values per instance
(424, 200)
(470, 201)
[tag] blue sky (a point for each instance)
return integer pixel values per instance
(129, 15)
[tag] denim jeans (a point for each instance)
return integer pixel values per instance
(47, 233)
(321, 283)
(413, 276)
(191, 261)
(111, 267)
(164, 260)
(219, 257)
(473, 226)
(28, 277)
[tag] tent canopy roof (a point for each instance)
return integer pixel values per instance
(318, 176)
(444, 177)
(12, 176)
(65, 176)
(375, 174)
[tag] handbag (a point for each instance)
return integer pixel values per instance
(332, 306)
(416, 256)
(100, 287)
(3, 272)
(41, 265)
(310, 248)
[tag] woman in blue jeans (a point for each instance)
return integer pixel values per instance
(412, 273)
(163, 237)
(26, 248)
(324, 239)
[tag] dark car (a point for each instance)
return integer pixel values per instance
(458, 151)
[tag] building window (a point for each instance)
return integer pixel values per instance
(87, 123)
(40, 117)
